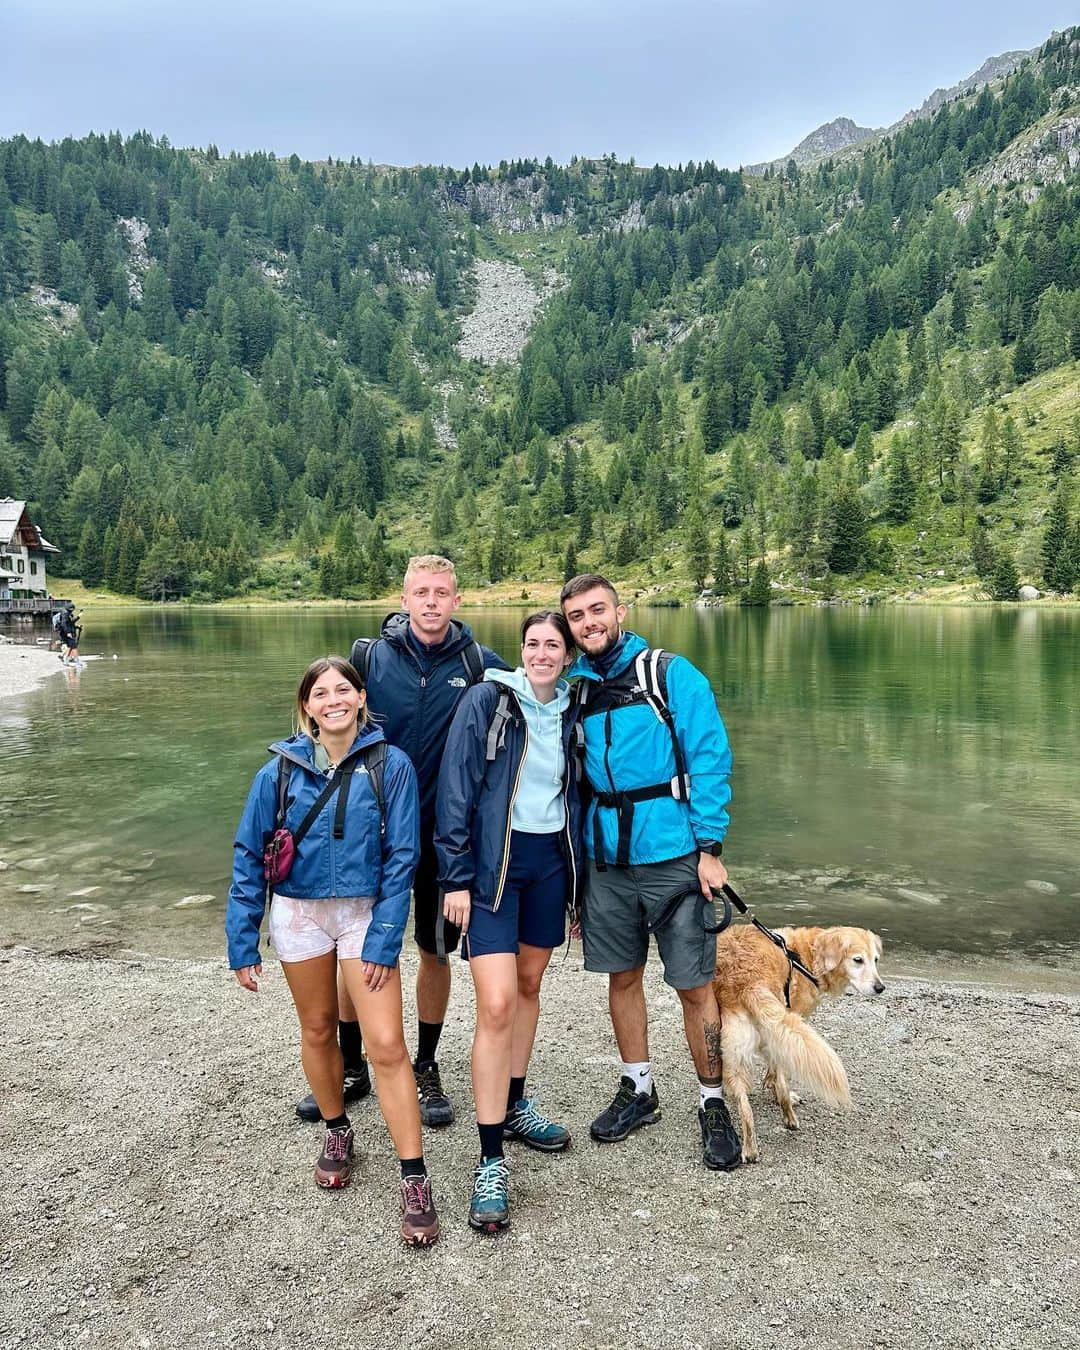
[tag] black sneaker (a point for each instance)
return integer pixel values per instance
(435, 1106)
(723, 1150)
(357, 1086)
(629, 1110)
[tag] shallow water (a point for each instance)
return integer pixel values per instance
(913, 770)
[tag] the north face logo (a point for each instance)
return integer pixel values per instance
(457, 682)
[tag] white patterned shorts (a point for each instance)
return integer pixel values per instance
(301, 929)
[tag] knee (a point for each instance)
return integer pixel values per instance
(385, 1049)
(698, 999)
(528, 983)
(320, 1033)
(495, 1012)
(622, 981)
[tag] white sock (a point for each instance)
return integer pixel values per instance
(640, 1075)
(708, 1092)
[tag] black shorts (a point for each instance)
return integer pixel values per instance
(427, 902)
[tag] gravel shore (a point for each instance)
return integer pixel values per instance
(23, 668)
(155, 1186)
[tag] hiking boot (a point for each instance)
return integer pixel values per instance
(435, 1106)
(357, 1086)
(628, 1110)
(489, 1208)
(723, 1151)
(419, 1222)
(334, 1169)
(526, 1123)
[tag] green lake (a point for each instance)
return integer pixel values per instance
(913, 770)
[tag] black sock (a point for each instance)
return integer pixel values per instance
(352, 1043)
(516, 1093)
(413, 1167)
(338, 1123)
(428, 1044)
(491, 1140)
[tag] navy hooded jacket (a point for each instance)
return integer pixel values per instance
(414, 693)
(476, 798)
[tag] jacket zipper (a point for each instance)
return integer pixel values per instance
(509, 816)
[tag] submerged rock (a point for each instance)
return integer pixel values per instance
(1043, 887)
(190, 901)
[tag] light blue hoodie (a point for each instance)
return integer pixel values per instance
(538, 805)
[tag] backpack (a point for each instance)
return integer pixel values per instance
(472, 658)
(643, 682)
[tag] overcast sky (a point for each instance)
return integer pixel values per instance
(424, 81)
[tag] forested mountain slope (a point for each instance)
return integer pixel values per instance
(231, 374)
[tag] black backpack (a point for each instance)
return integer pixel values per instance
(360, 659)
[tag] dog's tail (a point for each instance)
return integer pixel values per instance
(796, 1048)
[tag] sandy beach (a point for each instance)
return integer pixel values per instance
(23, 668)
(156, 1186)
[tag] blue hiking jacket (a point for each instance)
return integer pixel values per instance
(476, 798)
(414, 696)
(364, 862)
(640, 754)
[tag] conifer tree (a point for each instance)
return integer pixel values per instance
(902, 491)
(723, 579)
(759, 591)
(697, 545)
(1005, 581)
(983, 557)
(1057, 545)
(847, 531)
(864, 452)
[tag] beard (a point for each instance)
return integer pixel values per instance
(610, 639)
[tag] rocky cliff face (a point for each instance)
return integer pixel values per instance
(994, 68)
(514, 205)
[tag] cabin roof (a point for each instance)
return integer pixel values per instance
(13, 520)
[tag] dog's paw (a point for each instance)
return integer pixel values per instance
(750, 1155)
(791, 1120)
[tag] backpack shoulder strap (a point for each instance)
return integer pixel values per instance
(473, 659)
(496, 737)
(650, 667)
(375, 763)
(283, 775)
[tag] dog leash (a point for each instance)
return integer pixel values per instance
(794, 963)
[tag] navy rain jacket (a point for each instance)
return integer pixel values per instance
(475, 799)
(414, 697)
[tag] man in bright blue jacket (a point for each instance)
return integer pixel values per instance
(415, 672)
(656, 769)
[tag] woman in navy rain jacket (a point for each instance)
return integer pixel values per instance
(345, 899)
(507, 839)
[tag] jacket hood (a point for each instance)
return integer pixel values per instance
(301, 750)
(518, 681)
(631, 647)
(395, 629)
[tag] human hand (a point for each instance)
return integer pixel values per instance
(374, 975)
(456, 906)
(245, 977)
(712, 874)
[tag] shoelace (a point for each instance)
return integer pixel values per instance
(417, 1192)
(429, 1083)
(337, 1144)
(530, 1118)
(492, 1179)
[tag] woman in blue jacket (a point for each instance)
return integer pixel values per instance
(507, 840)
(345, 899)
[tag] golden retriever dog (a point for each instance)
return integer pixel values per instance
(758, 1028)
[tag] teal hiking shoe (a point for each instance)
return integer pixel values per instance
(489, 1209)
(526, 1123)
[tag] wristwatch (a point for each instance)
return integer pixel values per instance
(711, 846)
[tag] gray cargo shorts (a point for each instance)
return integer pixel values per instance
(614, 922)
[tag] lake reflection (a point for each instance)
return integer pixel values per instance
(914, 770)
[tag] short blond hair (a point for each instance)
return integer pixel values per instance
(429, 562)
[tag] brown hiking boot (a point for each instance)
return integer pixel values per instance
(334, 1169)
(419, 1222)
